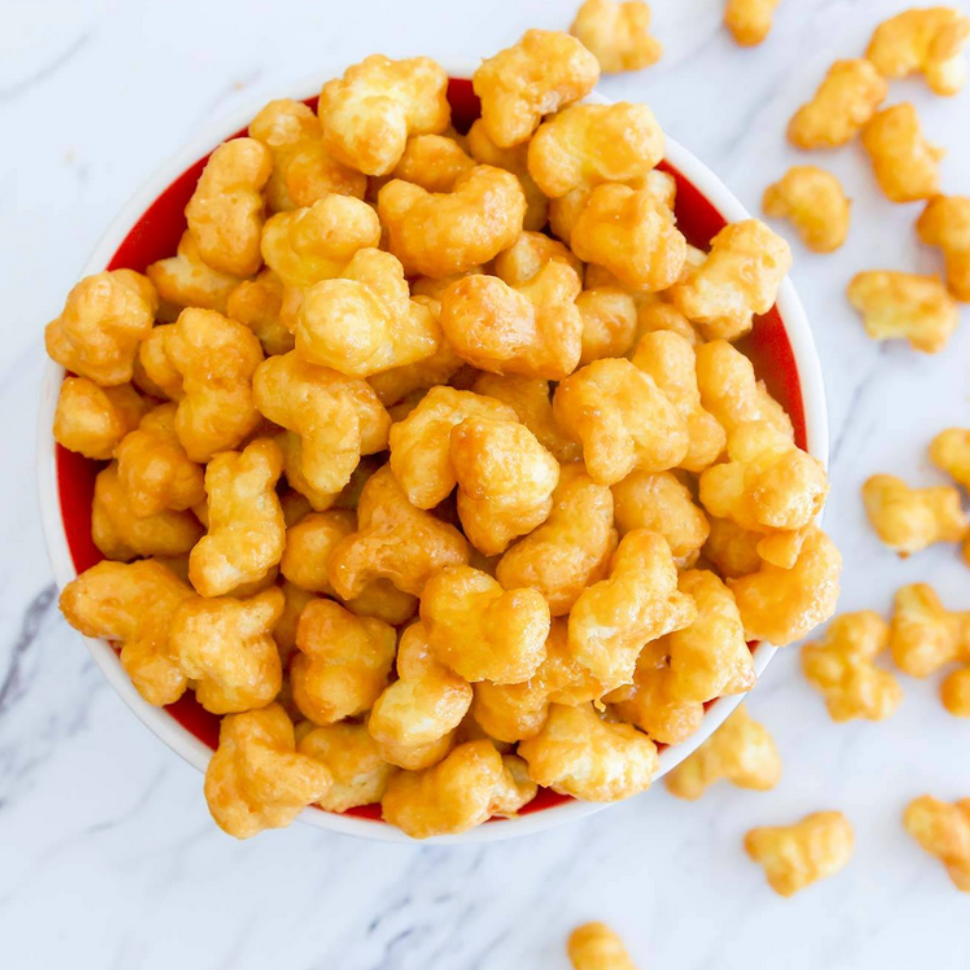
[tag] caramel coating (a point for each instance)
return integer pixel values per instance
(732, 393)
(435, 162)
(364, 322)
(795, 856)
(284, 633)
(530, 400)
(528, 255)
(303, 170)
(749, 20)
(445, 233)
(257, 779)
(928, 41)
(534, 329)
(216, 358)
(943, 830)
(842, 668)
(594, 946)
(906, 165)
(247, 533)
(336, 418)
(457, 794)
(505, 481)
(610, 324)
(104, 319)
(93, 420)
(309, 546)
(360, 775)
(732, 551)
(544, 72)
(670, 360)
(846, 99)
(945, 223)
(631, 234)
(618, 34)
(514, 160)
(421, 443)
(226, 649)
(571, 550)
(663, 504)
(343, 664)
(782, 605)
(132, 604)
(225, 214)
(370, 112)
(924, 635)
(740, 278)
(623, 420)
(424, 705)
(394, 541)
(257, 303)
(153, 468)
(184, 280)
(515, 712)
(316, 243)
(653, 315)
(589, 144)
(741, 751)
(154, 372)
(767, 485)
(815, 203)
(639, 602)
(578, 753)
(122, 535)
(910, 519)
(482, 632)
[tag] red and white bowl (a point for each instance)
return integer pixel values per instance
(149, 228)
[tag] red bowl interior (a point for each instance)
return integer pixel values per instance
(156, 236)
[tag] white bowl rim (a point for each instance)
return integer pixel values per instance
(179, 738)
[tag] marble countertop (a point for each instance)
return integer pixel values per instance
(107, 854)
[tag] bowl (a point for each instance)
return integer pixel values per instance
(148, 228)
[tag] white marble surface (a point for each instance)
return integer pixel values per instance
(107, 855)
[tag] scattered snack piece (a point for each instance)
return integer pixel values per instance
(815, 202)
(925, 636)
(906, 165)
(795, 856)
(594, 946)
(103, 321)
(842, 668)
(544, 72)
(950, 451)
(740, 278)
(844, 102)
(740, 751)
(928, 41)
(132, 604)
(943, 830)
(782, 605)
(618, 34)
(256, 779)
(911, 519)
(579, 753)
(955, 692)
(904, 306)
(225, 213)
(945, 223)
(93, 420)
(369, 113)
(638, 602)
(749, 20)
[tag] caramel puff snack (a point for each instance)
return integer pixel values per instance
(845, 101)
(528, 255)
(611, 322)
(184, 280)
(435, 162)
(258, 303)
(93, 420)
(795, 856)
(911, 519)
(905, 306)
(814, 202)
(741, 751)
(749, 20)
(906, 165)
(618, 34)
(594, 946)
(545, 71)
(369, 113)
(943, 830)
(154, 373)
(926, 41)
(945, 223)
